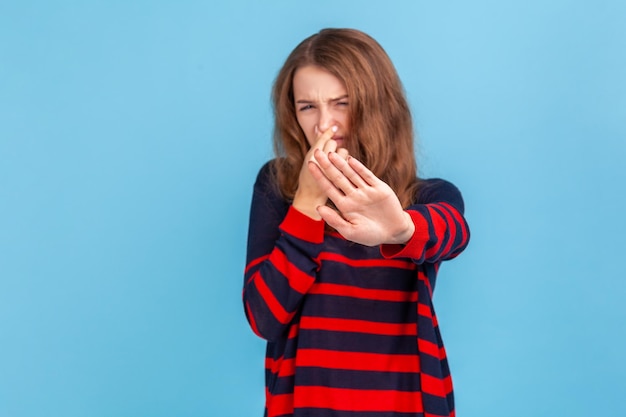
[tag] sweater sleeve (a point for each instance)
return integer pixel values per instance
(281, 263)
(441, 231)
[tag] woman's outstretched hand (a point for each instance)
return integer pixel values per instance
(369, 211)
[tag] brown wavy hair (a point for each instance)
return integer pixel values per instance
(381, 127)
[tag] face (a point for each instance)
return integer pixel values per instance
(321, 102)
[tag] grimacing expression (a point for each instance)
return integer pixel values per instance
(321, 102)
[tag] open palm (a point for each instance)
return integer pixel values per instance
(369, 211)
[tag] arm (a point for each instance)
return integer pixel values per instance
(441, 231)
(280, 266)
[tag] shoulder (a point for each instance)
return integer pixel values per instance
(265, 187)
(437, 190)
(265, 178)
(265, 173)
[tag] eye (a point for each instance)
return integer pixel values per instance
(306, 107)
(342, 103)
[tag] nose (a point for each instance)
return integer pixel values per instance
(326, 119)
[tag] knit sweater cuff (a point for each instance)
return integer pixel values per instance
(301, 226)
(414, 248)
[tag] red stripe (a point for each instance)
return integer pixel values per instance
(435, 386)
(366, 263)
(358, 400)
(447, 383)
(278, 405)
(451, 228)
(431, 349)
(364, 293)
(459, 218)
(298, 280)
(357, 361)
(439, 224)
(255, 262)
(278, 311)
(293, 331)
(358, 326)
(344, 360)
(303, 227)
(281, 367)
(424, 310)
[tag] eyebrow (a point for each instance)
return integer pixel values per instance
(330, 100)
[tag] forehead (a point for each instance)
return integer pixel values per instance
(316, 83)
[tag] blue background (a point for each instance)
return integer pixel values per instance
(130, 137)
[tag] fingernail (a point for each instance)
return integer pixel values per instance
(334, 128)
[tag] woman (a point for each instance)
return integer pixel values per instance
(345, 241)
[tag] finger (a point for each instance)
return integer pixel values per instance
(330, 146)
(342, 165)
(325, 184)
(334, 174)
(325, 137)
(321, 142)
(343, 152)
(363, 172)
(332, 218)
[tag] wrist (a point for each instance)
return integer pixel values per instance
(406, 232)
(307, 205)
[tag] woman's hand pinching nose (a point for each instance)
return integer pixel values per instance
(324, 143)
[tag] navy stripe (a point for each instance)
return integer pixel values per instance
(370, 277)
(351, 342)
(438, 405)
(332, 306)
(282, 385)
(338, 378)
(430, 362)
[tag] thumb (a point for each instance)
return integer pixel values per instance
(333, 218)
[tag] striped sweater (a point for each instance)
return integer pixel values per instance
(351, 329)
